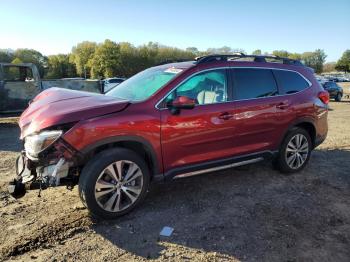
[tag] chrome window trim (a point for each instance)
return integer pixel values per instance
(234, 67)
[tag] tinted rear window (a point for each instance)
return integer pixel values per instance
(115, 81)
(290, 82)
(326, 84)
(253, 83)
(17, 73)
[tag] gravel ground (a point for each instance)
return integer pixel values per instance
(253, 213)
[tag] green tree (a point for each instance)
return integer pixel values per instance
(81, 55)
(16, 61)
(257, 52)
(296, 56)
(280, 53)
(315, 59)
(5, 56)
(329, 67)
(343, 64)
(129, 59)
(59, 66)
(13, 72)
(224, 50)
(147, 54)
(106, 61)
(166, 53)
(193, 50)
(32, 56)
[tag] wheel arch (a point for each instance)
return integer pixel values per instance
(305, 123)
(135, 143)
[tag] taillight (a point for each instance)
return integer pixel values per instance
(324, 97)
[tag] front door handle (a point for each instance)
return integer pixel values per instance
(282, 105)
(225, 116)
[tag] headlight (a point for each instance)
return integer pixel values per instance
(34, 144)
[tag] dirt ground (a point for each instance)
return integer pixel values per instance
(346, 89)
(252, 213)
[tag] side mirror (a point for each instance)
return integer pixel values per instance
(182, 102)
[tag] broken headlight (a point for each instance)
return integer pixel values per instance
(36, 143)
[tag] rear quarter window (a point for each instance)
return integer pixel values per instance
(290, 82)
(112, 81)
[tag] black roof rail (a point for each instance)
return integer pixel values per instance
(257, 58)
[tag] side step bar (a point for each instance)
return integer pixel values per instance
(242, 163)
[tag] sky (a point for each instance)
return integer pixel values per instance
(54, 26)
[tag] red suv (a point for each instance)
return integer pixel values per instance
(171, 121)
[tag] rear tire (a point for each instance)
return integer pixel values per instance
(295, 151)
(114, 182)
(338, 97)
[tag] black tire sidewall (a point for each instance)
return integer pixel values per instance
(338, 97)
(93, 169)
(283, 166)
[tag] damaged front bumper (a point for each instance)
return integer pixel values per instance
(56, 166)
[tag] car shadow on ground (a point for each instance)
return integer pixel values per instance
(252, 213)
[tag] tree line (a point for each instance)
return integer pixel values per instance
(107, 59)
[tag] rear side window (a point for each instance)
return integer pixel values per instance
(251, 83)
(290, 82)
(17, 73)
(327, 85)
(115, 81)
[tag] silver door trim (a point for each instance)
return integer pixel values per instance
(199, 172)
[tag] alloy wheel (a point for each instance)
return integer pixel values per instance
(297, 151)
(118, 186)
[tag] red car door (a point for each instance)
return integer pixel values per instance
(203, 133)
(261, 115)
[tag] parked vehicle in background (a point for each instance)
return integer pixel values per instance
(110, 83)
(334, 90)
(331, 78)
(73, 78)
(20, 83)
(171, 121)
(343, 79)
(320, 79)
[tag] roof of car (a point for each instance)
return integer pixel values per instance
(238, 60)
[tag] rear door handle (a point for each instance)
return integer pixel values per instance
(282, 105)
(225, 116)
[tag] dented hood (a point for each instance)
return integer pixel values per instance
(57, 106)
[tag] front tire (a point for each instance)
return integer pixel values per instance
(295, 151)
(114, 182)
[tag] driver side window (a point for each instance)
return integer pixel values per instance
(205, 88)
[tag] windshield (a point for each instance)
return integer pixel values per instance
(144, 84)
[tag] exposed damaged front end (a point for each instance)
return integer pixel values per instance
(46, 161)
